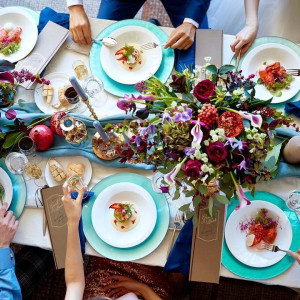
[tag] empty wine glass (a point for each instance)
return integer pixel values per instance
(94, 87)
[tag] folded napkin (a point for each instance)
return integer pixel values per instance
(180, 255)
(293, 108)
(82, 238)
(61, 148)
(48, 14)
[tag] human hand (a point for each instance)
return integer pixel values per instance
(72, 207)
(8, 226)
(295, 255)
(182, 37)
(124, 285)
(244, 39)
(80, 28)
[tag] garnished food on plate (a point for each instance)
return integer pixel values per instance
(274, 77)
(125, 216)
(260, 229)
(129, 56)
(57, 170)
(10, 38)
(75, 169)
(48, 92)
(2, 191)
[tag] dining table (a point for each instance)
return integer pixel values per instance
(30, 231)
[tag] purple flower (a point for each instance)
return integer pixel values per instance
(6, 76)
(216, 152)
(137, 140)
(243, 165)
(142, 131)
(166, 117)
(10, 114)
(126, 104)
(183, 116)
(164, 189)
(256, 120)
(151, 129)
(140, 86)
(179, 84)
(197, 133)
(244, 201)
(189, 151)
(170, 177)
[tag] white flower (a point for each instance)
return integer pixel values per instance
(207, 59)
(212, 132)
(215, 138)
(204, 168)
(256, 136)
(249, 137)
(211, 170)
(205, 159)
(174, 104)
(238, 91)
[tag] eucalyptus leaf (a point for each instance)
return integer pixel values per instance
(176, 194)
(272, 157)
(190, 193)
(212, 68)
(226, 68)
(195, 221)
(184, 207)
(197, 200)
(203, 189)
(222, 199)
(190, 214)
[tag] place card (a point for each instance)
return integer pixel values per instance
(57, 223)
(48, 43)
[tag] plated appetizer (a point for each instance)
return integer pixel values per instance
(274, 77)
(260, 229)
(125, 216)
(10, 39)
(129, 56)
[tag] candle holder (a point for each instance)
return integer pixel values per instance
(107, 150)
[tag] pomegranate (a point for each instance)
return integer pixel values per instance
(54, 122)
(42, 136)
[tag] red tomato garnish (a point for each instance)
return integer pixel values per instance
(232, 123)
(116, 206)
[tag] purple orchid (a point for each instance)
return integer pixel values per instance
(244, 201)
(166, 117)
(183, 116)
(126, 103)
(197, 133)
(137, 140)
(243, 165)
(189, 151)
(7, 76)
(256, 120)
(145, 98)
(170, 177)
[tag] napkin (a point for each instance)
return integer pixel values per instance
(293, 108)
(48, 14)
(87, 196)
(180, 255)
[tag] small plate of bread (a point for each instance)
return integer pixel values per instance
(59, 169)
(50, 98)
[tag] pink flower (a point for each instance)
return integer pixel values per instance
(244, 201)
(170, 177)
(256, 120)
(216, 151)
(192, 168)
(197, 133)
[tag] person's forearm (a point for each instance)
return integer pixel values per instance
(251, 11)
(74, 263)
(149, 294)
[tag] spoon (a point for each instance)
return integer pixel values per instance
(107, 41)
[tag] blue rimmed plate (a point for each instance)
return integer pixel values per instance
(19, 191)
(240, 269)
(146, 247)
(117, 88)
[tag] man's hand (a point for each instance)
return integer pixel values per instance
(244, 39)
(72, 207)
(8, 226)
(182, 37)
(80, 28)
(124, 285)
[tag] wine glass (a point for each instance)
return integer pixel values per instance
(80, 69)
(94, 87)
(73, 98)
(28, 148)
(76, 184)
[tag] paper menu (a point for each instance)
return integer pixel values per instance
(48, 43)
(57, 223)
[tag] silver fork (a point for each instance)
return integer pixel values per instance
(177, 222)
(294, 72)
(150, 45)
(273, 248)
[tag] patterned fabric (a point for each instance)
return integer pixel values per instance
(31, 265)
(100, 268)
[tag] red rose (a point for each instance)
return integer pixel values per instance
(192, 168)
(203, 90)
(216, 151)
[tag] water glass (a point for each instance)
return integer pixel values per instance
(293, 201)
(15, 162)
(94, 88)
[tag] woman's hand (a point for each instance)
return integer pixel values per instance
(296, 255)
(244, 39)
(80, 28)
(72, 207)
(124, 285)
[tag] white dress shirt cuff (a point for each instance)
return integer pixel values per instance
(74, 2)
(187, 20)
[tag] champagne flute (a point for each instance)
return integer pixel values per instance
(80, 69)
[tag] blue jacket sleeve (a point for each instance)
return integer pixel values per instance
(196, 10)
(9, 285)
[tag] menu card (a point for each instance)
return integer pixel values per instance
(208, 236)
(48, 43)
(57, 223)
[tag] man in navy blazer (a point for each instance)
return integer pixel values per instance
(186, 16)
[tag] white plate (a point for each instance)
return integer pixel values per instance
(236, 239)
(20, 18)
(56, 80)
(131, 35)
(101, 214)
(272, 52)
(64, 161)
(6, 183)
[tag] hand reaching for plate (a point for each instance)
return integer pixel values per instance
(8, 226)
(295, 255)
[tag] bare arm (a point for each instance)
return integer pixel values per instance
(247, 35)
(74, 272)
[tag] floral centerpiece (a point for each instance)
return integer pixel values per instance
(210, 137)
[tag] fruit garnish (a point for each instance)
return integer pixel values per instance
(123, 211)
(128, 54)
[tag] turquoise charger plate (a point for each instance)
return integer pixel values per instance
(19, 191)
(141, 250)
(276, 40)
(115, 87)
(240, 269)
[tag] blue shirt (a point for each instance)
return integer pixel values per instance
(9, 285)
